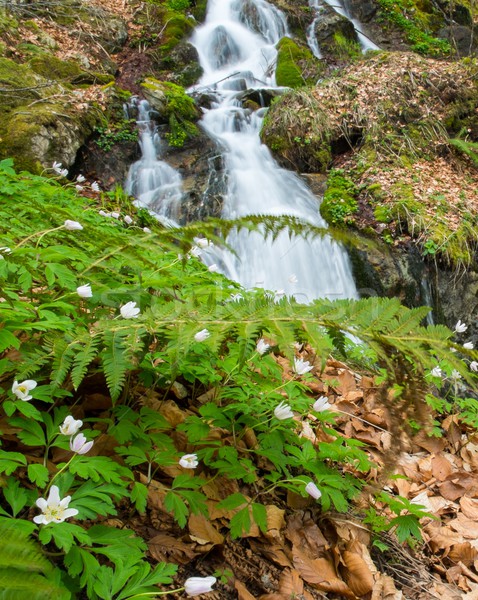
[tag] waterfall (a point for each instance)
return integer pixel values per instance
(236, 47)
(310, 35)
(156, 186)
(341, 7)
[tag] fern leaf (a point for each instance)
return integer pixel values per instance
(115, 361)
(83, 359)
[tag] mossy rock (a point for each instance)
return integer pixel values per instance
(180, 65)
(43, 133)
(67, 71)
(21, 84)
(339, 203)
(168, 99)
(176, 28)
(296, 65)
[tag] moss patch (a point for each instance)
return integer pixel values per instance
(339, 203)
(296, 65)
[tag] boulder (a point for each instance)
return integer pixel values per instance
(461, 39)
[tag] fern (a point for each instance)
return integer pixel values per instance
(25, 572)
(115, 360)
(83, 359)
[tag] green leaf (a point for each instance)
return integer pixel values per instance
(176, 505)
(259, 514)
(16, 496)
(31, 433)
(240, 523)
(139, 495)
(63, 535)
(10, 461)
(7, 340)
(38, 474)
(233, 501)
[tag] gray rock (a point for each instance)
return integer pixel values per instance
(461, 39)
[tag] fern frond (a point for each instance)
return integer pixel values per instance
(83, 358)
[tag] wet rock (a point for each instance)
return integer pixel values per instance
(330, 26)
(461, 39)
(261, 96)
(363, 10)
(181, 65)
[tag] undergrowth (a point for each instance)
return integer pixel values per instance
(105, 324)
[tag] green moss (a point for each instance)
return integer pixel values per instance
(176, 27)
(419, 21)
(339, 203)
(25, 85)
(296, 65)
(51, 67)
(344, 48)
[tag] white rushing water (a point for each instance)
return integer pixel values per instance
(310, 34)
(155, 185)
(341, 7)
(236, 47)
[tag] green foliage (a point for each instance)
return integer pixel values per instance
(65, 342)
(296, 65)
(339, 202)
(116, 133)
(25, 572)
(416, 25)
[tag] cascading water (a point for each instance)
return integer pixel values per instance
(311, 37)
(341, 6)
(155, 185)
(236, 47)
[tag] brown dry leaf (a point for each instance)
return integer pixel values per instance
(274, 552)
(167, 548)
(444, 592)
(466, 527)
(275, 521)
(469, 507)
(463, 553)
(441, 467)
(202, 531)
(242, 592)
(384, 589)
(321, 574)
(156, 493)
(457, 485)
(441, 537)
(290, 583)
(303, 532)
(357, 574)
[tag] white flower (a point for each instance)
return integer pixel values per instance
(195, 251)
(63, 172)
(127, 219)
(468, 345)
(79, 187)
(21, 389)
(80, 179)
(104, 214)
(283, 411)
(189, 461)
(455, 375)
(321, 404)
(84, 291)
(70, 426)
(72, 225)
(115, 215)
(195, 586)
(147, 230)
(95, 187)
(262, 347)
(56, 166)
(79, 444)
(202, 335)
(236, 297)
(293, 278)
(474, 365)
(213, 268)
(436, 372)
(313, 490)
(53, 509)
(203, 242)
(460, 327)
(5, 250)
(129, 310)
(302, 366)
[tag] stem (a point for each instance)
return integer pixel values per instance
(156, 593)
(59, 472)
(41, 234)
